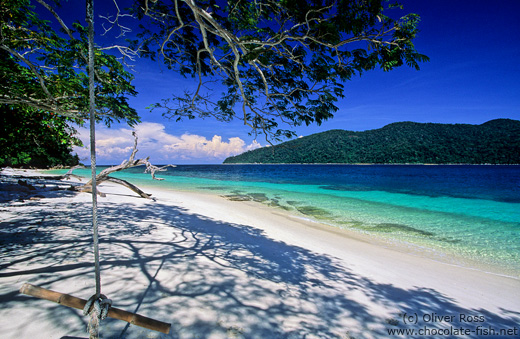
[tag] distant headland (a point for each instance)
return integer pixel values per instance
(494, 142)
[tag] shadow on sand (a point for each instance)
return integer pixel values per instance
(208, 278)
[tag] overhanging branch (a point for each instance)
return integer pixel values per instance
(278, 65)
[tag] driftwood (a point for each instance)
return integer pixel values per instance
(125, 183)
(78, 303)
(131, 162)
(103, 176)
(69, 172)
(47, 177)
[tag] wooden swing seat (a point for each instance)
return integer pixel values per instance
(115, 313)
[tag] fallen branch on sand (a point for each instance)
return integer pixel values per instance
(131, 162)
(45, 177)
(103, 176)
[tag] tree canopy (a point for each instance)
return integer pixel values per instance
(43, 66)
(272, 64)
(44, 85)
(277, 61)
(31, 138)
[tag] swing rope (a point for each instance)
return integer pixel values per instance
(92, 104)
(97, 305)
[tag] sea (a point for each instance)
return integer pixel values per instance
(466, 215)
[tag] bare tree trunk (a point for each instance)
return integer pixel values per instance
(131, 162)
(104, 175)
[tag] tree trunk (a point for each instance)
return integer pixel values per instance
(131, 162)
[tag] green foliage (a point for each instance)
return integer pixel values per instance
(43, 65)
(494, 142)
(279, 62)
(32, 139)
(44, 86)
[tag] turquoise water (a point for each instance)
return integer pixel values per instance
(458, 214)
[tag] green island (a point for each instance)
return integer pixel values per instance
(494, 142)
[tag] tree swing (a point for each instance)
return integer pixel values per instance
(98, 305)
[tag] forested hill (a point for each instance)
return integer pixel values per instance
(494, 142)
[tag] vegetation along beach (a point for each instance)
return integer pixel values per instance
(259, 169)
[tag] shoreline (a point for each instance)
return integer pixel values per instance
(441, 256)
(217, 268)
(366, 164)
(407, 248)
(324, 231)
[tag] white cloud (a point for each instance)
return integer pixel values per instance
(115, 145)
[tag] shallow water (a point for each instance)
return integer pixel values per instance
(452, 212)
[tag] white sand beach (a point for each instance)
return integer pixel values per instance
(215, 268)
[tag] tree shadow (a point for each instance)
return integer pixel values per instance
(208, 278)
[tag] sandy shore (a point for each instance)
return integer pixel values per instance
(216, 268)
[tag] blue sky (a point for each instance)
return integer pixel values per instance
(473, 76)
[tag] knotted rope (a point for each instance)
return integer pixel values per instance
(97, 308)
(98, 305)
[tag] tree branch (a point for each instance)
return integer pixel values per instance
(267, 52)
